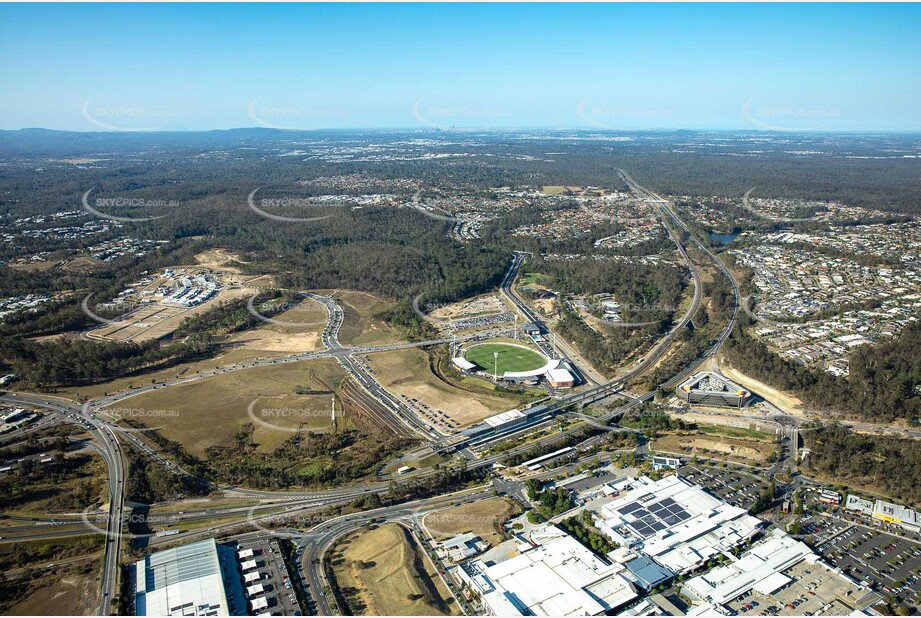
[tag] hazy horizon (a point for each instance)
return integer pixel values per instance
(622, 67)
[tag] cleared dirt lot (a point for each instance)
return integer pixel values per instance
(480, 518)
(156, 320)
(486, 304)
(218, 259)
(266, 341)
(407, 372)
(382, 572)
(361, 324)
(209, 412)
(704, 444)
(288, 338)
(71, 595)
(788, 403)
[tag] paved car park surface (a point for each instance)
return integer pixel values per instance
(274, 578)
(885, 563)
(735, 486)
(812, 590)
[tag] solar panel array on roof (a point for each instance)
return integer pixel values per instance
(630, 508)
(654, 517)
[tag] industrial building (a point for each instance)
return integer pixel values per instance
(560, 377)
(552, 575)
(461, 547)
(674, 522)
(495, 426)
(531, 329)
(182, 581)
(709, 389)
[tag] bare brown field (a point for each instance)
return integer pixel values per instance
(33, 266)
(156, 320)
(210, 411)
(560, 189)
(81, 264)
(481, 518)
(787, 402)
(382, 572)
(71, 595)
(274, 339)
(736, 449)
(486, 304)
(266, 341)
(407, 372)
(218, 259)
(360, 326)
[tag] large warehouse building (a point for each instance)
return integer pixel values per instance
(709, 389)
(182, 581)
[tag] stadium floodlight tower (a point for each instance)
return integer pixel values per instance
(495, 373)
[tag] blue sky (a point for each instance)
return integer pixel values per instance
(621, 66)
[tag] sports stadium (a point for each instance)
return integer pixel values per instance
(513, 362)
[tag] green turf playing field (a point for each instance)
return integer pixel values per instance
(511, 358)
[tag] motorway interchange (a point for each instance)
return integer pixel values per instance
(313, 543)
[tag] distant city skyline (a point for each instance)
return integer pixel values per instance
(115, 67)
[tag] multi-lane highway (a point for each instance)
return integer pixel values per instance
(583, 367)
(110, 450)
(317, 540)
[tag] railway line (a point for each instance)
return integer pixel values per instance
(365, 390)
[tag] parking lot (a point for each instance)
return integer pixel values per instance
(813, 590)
(819, 530)
(730, 484)
(885, 563)
(810, 501)
(266, 584)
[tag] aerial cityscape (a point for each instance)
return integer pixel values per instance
(460, 309)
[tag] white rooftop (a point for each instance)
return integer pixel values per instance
(463, 363)
(675, 522)
(182, 581)
(559, 375)
(503, 418)
(558, 577)
(760, 568)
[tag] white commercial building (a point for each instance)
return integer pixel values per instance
(554, 575)
(675, 522)
(760, 569)
(460, 547)
(896, 514)
(504, 420)
(182, 581)
(856, 503)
